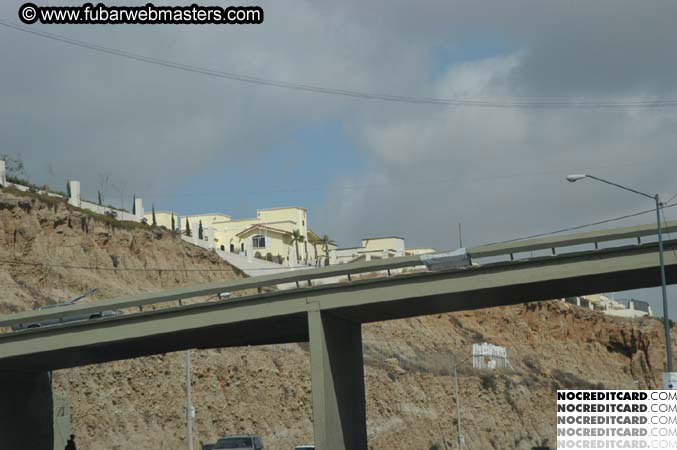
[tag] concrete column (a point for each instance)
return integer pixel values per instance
(339, 412)
(62, 421)
(26, 411)
(138, 208)
(3, 174)
(74, 190)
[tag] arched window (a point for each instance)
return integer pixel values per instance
(223, 248)
(259, 241)
(232, 248)
(242, 247)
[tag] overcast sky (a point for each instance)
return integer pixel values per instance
(193, 143)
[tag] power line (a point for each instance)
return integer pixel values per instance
(159, 269)
(344, 92)
(601, 222)
(113, 269)
(387, 184)
(127, 269)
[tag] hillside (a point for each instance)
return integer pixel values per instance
(138, 404)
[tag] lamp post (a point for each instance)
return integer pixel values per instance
(656, 198)
(461, 438)
(189, 401)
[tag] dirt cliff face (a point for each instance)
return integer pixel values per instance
(411, 403)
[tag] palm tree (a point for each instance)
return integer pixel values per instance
(296, 237)
(325, 243)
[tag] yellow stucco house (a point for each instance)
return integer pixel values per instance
(279, 235)
(276, 234)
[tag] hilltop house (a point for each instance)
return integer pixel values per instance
(375, 248)
(280, 235)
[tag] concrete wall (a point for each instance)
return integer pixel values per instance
(163, 219)
(420, 251)
(343, 255)
(75, 199)
(3, 174)
(208, 220)
(395, 244)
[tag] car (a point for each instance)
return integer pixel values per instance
(62, 320)
(247, 442)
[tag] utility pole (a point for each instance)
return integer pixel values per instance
(666, 319)
(458, 407)
(189, 402)
(460, 236)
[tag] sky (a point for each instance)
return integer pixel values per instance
(192, 143)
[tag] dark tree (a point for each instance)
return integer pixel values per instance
(100, 199)
(134, 204)
(154, 220)
(200, 231)
(173, 225)
(187, 227)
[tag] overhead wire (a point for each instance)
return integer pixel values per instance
(578, 227)
(313, 88)
(225, 269)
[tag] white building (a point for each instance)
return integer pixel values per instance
(623, 308)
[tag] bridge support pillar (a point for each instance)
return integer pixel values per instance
(26, 411)
(339, 412)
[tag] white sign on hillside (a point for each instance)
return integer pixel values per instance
(489, 356)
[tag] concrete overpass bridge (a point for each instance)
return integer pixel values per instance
(327, 316)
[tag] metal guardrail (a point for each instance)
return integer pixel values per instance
(590, 237)
(211, 289)
(326, 272)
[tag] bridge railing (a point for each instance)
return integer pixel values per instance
(554, 242)
(305, 277)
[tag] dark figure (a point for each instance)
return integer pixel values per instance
(70, 445)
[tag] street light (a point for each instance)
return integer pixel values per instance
(461, 438)
(656, 198)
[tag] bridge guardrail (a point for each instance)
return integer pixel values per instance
(299, 276)
(589, 237)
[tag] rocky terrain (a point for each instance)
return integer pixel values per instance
(50, 252)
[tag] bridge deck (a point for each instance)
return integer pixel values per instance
(282, 317)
